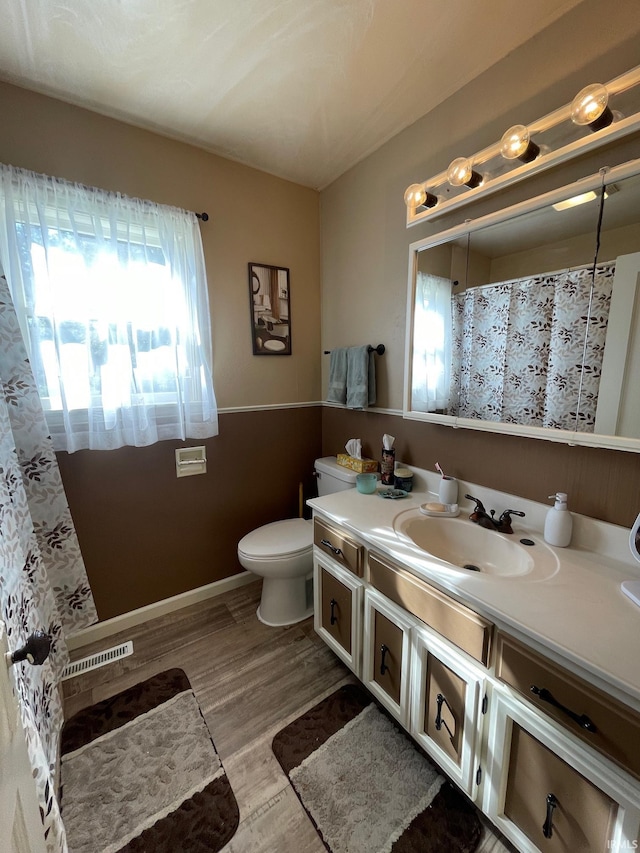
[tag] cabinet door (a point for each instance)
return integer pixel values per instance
(387, 654)
(546, 793)
(445, 718)
(555, 807)
(337, 612)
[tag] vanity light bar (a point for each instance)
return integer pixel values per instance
(589, 112)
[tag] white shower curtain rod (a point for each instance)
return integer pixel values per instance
(543, 274)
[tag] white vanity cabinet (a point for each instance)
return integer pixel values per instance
(553, 761)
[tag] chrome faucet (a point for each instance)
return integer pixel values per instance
(484, 519)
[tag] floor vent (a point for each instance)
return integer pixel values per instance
(79, 667)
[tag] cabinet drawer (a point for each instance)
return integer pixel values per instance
(338, 546)
(596, 718)
(459, 624)
(551, 803)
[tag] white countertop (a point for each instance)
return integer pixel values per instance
(579, 615)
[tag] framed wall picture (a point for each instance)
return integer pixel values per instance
(270, 309)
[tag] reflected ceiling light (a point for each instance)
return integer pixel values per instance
(516, 144)
(417, 196)
(590, 107)
(461, 173)
(575, 200)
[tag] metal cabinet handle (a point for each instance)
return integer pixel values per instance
(331, 547)
(581, 719)
(383, 652)
(547, 826)
(35, 650)
(440, 701)
(332, 605)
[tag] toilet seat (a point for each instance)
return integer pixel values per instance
(280, 539)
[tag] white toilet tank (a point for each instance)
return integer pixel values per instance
(333, 477)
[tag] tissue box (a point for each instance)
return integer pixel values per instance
(362, 466)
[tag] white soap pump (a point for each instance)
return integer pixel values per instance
(558, 525)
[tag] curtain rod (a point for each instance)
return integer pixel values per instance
(204, 216)
(588, 266)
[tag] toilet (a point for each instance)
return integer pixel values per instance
(282, 554)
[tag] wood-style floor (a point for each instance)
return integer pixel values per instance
(250, 681)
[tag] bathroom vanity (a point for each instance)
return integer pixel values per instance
(521, 680)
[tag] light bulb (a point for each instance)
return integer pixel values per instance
(415, 195)
(516, 144)
(461, 173)
(590, 107)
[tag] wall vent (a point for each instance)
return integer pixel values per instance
(79, 667)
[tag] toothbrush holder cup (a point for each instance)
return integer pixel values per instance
(448, 490)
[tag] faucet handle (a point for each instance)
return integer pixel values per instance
(479, 505)
(504, 522)
(506, 515)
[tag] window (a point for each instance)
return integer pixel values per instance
(431, 369)
(111, 295)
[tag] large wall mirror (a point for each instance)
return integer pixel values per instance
(526, 321)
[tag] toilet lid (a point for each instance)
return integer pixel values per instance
(293, 536)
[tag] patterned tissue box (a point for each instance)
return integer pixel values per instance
(362, 466)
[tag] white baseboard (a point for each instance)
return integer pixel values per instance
(159, 608)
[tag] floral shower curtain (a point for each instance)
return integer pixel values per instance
(43, 583)
(518, 349)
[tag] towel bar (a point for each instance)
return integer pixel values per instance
(379, 349)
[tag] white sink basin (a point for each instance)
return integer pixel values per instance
(467, 547)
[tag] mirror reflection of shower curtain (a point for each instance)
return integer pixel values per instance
(44, 583)
(518, 349)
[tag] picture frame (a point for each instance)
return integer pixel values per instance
(270, 307)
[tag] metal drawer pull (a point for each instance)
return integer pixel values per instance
(440, 701)
(383, 651)
(332, 605)
(581, 719)
(547, 826)
(331, 547)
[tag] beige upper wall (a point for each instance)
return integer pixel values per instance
(254, 217)
(365, 243)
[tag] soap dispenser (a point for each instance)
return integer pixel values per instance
(558, 525)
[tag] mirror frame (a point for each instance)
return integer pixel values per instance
(570, 437)
(260, 338)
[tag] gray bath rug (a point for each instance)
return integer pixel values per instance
(367, 787)
(140, 773)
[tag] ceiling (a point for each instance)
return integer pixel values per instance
(303, 89)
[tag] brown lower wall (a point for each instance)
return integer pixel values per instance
(603, 484)
(146, 535)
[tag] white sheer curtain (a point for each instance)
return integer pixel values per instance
(111, 295)
(431, 368)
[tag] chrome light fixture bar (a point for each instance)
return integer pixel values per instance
(575, 128)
